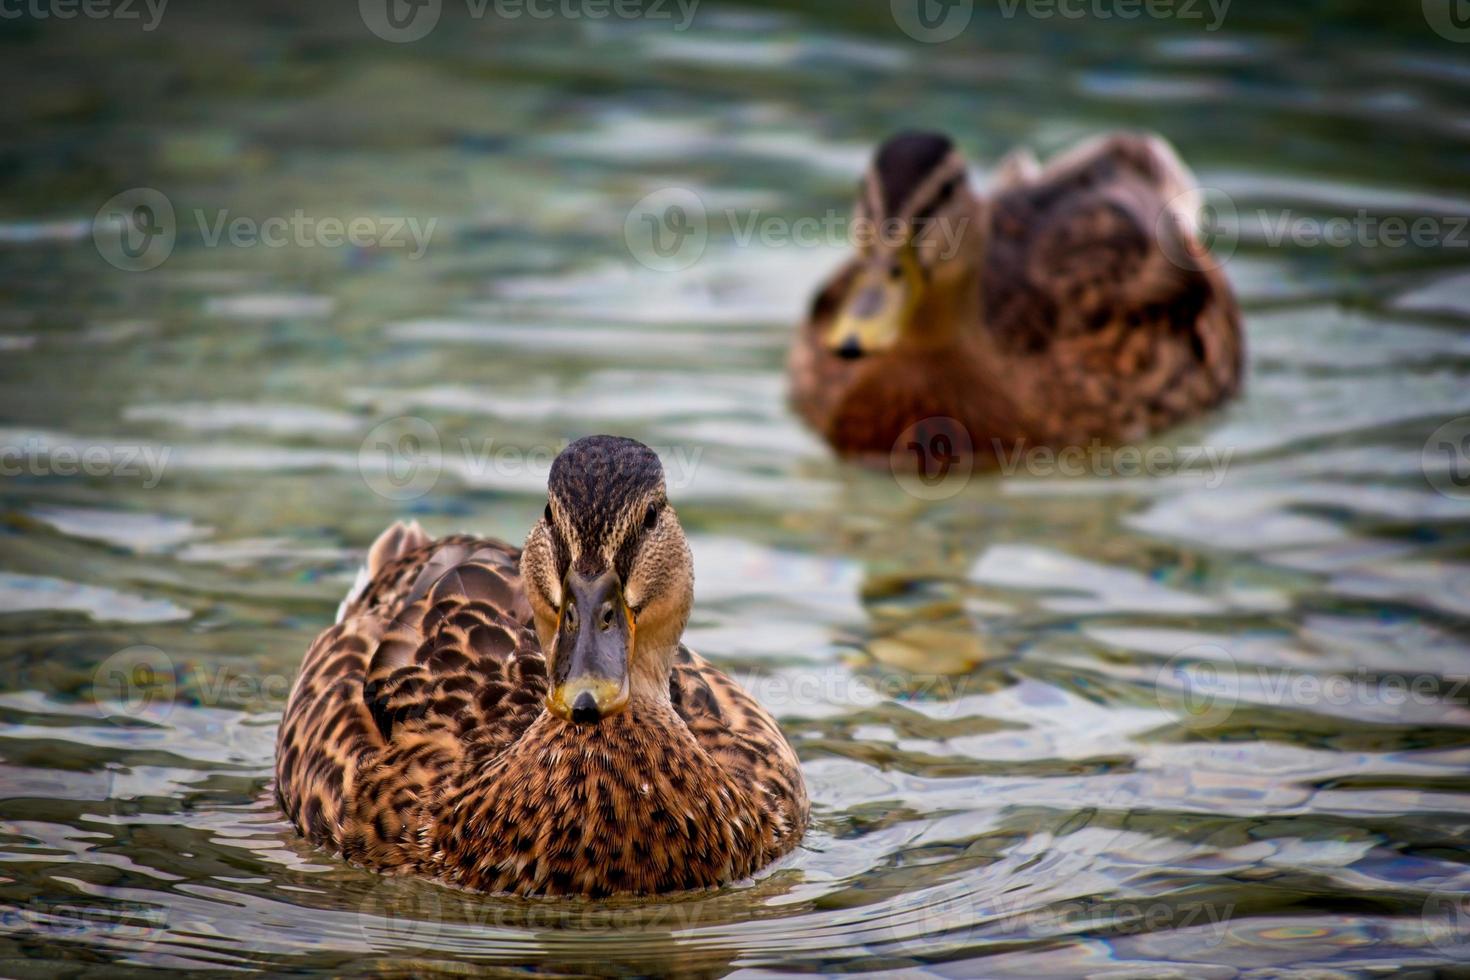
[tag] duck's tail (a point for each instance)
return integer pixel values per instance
(398, 540)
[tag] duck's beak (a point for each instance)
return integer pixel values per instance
(594, 645)
(878, 307)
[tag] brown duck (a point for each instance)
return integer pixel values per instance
(528, 721)
(1073, 302)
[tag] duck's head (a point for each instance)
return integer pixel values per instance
(610, 578)
(915, 218)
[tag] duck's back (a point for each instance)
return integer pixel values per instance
(1112, 317)
(430, 665)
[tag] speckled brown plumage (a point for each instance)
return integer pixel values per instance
(1084, 306)
(417, 740)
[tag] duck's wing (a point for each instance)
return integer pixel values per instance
(1096, 270)
(742, 736)
(431, 668)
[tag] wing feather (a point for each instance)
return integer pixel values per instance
(1097, 277)
(433, 662)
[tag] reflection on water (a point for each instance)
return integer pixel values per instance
(1208, 717)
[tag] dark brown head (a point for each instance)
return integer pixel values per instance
(609, 577)
(915, 220)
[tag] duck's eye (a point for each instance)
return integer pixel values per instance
(895, 272)
(547, 515)
(650, 518)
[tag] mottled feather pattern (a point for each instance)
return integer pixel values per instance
(417, 741)
(1100, 316)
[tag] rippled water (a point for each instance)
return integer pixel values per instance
(1210, 718)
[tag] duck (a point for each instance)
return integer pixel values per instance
(527, 721)
(1068, 304)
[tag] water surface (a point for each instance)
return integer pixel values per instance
(1208, 719)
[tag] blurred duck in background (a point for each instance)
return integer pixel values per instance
(1073, 302)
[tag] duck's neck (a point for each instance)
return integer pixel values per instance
(952, 306)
